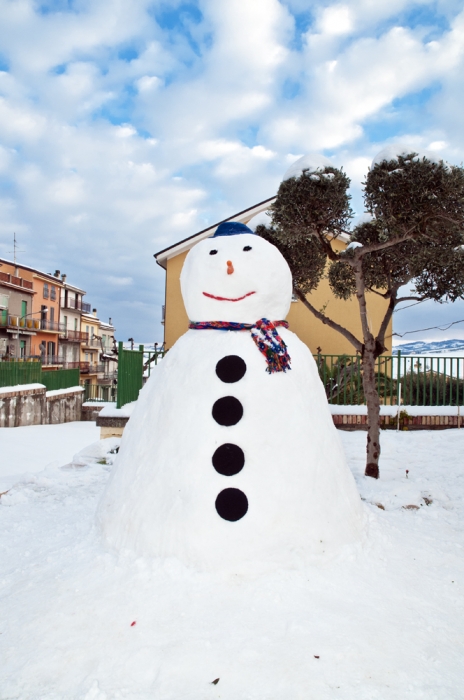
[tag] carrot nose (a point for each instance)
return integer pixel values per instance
(230, 267)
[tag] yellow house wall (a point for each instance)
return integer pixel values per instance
(301, 321)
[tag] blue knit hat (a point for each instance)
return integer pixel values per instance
(231, 228)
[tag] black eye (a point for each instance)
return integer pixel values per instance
(213, 252)
(247, 248)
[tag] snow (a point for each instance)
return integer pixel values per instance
(20, 387)
(69, 390)
(311, 162)
(162, 498)
(353, 245)
(396, 149)
(98, 404)
(30, 449)
(110, 410)
(393, 410)
(384, 620)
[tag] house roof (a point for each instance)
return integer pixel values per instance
(45, 275)
(242, 217)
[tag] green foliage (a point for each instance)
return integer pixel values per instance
(315, 202)
(431, 389)
(415, 193)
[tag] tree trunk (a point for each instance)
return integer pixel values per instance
(373, 410)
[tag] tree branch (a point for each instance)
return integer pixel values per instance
(328, 321)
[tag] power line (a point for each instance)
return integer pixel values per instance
(432, 328)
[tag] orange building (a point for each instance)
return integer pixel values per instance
(38, 323)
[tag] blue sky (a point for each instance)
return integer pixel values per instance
(126, 126)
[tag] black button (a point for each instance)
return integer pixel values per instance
(228, 459)
(231, 504)
(230, 369)
(227, 411)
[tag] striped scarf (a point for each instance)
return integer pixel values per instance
(265, 336)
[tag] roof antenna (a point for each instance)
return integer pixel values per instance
(14, 251)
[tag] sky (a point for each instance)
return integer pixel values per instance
(128, 125)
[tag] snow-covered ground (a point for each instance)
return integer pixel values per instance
(383, 621)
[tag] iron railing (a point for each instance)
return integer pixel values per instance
(97, 392)
(410, 380)
(76, 336)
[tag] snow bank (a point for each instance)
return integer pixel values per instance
(60, 392)
(382, 621)
(31, 448)
(311, 162)
(110, 410)
(20, 387)
(393, 410)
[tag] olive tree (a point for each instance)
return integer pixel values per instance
(414, 233)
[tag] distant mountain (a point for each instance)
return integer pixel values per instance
(437, 347)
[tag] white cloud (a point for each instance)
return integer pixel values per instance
(107, 159)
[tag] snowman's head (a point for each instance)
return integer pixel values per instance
(237, 277)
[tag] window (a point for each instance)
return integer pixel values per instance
(104, 341)
(45, 291)
(65, 321)
(52, 313)
(22, 348)
(3, 301)
(24, 308)
(53, 292)
(75, 324)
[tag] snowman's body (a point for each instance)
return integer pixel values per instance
(223, 465)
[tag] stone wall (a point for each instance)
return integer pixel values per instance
(31, 404)
(25, 405)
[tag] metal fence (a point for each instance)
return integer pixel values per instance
(410, 380)
(60, 379)
(130, 374)
(16, 372)
(99, 393)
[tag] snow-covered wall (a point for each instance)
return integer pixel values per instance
(31, 404)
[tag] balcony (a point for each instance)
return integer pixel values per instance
(16, 281)
(76, 337)
(46, 325)
(92, 342)
(83, 367)
(13, 321)
(47, 360)
(76, 305)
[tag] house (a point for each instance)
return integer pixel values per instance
(36, 323)
(316, 335)
(16, 326)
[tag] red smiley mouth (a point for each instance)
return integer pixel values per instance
(211, 296)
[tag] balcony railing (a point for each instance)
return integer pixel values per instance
(92, 342)
(47, 359)
(76, 336)
(78, 305)
(83, 367)
(86, 308)
(13, 321)
(17, 281)
(46, 325)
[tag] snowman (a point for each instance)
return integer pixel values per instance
(230, 461)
